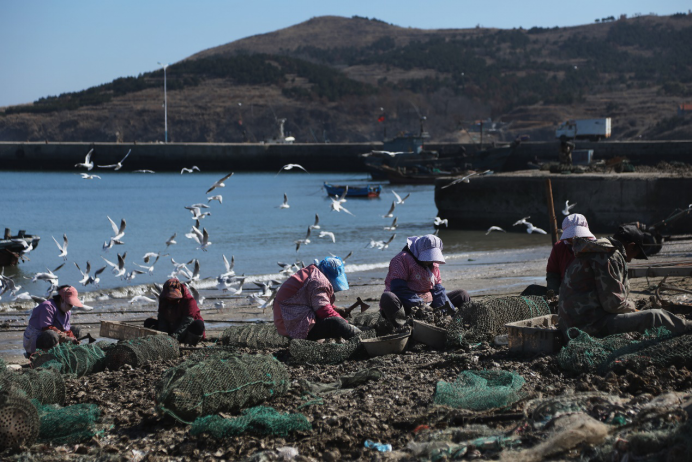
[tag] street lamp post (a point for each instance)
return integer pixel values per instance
(164, 66)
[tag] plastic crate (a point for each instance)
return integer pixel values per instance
(538, 335)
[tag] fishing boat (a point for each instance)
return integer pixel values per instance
(368, 190)
(10, 249)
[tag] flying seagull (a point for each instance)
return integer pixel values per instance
(87, 161)
(392, 209)
(530, 227)
(219, 184)
(118, 165)
(285, 204)
(316, 225)
(62, 248)
(399, 199)
(189, 170)
(439, 221)
(566, 210)
(86, 176)
(215, 198)
(289, 167)
(494, 228)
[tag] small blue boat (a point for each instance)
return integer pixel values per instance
(353, 191)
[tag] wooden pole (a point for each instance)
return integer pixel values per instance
(552, 212)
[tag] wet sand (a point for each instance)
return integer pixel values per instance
(497, 273)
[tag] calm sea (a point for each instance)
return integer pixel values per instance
(248, 225)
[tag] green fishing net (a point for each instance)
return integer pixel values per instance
(78, 360)
(480, 390)
(258, 336)
(259, 420)
(45, 385)
(481, 320)
(658, 347)
(220, 384)
(138, 351)
(312, 352)
(19, 422)
(67, 425)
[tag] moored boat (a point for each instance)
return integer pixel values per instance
(11, 247)
(368, 190)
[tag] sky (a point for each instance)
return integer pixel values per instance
(50, 47)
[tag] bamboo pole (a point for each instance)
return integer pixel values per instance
(552, 212)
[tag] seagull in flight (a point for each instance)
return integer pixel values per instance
(566, 210)
(26, 248)
(215, 198)
(119, 269)
(118, 232)
(437, 221)
(87, 161)
(337, 207)
(196, 214)
(202, 238)
(530, 227)
(316, 225)
(399, 199)
(289, 167)
(143, 171)
(304, 241)
(171, 240)
(62, 248)
(189, 170)
(522, 221)
(392, 209)
(86, 278)
(393, 226)
(219, 184)
(387, 153)
(229, 267)
(285, 204)
(326, 234)
(381, 245)
(49, 276)
(86, 176)
(460, 180)
(118, 165)
(494, 228)
(142, 299)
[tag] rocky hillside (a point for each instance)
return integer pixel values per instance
(357, 79)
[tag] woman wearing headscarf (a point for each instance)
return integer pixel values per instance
(179, 315)
(304, 305)
(413, 280)
(49, 323)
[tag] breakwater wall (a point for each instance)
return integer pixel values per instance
(333, 157)
(607, 200)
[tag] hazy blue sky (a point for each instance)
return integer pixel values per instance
(51, 47)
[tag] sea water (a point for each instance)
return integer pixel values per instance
(248, 225)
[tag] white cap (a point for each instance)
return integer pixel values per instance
(575, 225)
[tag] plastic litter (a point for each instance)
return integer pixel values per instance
(379, 446)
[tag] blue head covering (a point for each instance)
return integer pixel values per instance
(333, 269)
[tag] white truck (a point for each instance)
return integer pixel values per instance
(585, 129)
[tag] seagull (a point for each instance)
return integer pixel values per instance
(86, 176)
(143, 171)
(203, 239)
(86, 278)
(189, 170)
(285, 205)
(87, 161)
(229, 267)
(131, 275)
(530, 227)
(48, 276)
(437, 221)
(239, 291)
(316, 224)
(219, 184)
(171, 240)
(119, 269)
(63, 248)
(399, 199)
(288, 268)
(326, 234)
(393, 226)
(566, 210)
(142, 299)
(342, 198)
(196, 295)
(215, 198)
(494, 228)
(460, 180)
(26, 247)
(348, 255)
(219, 305)
(387, 153)
(149, 255)
(392, 209)
(337, 207)
(119, 232)
(196, 214)
(200, 206)
(381, 245)
(305, 241)
(118, 165)
(224, 283)
(269, 300)
(150, 269)
(289, 167)
(109, 243)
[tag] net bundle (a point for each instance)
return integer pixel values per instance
(260, 420)
(658, 347)
(312, 352)
(257, 336)
(540, 411)
(19, 421)
(67, 425)
(372, 320)
(481, 320)
(78, 360)
(45, 385)
(138, 351)
(480, 390)
(227, 384)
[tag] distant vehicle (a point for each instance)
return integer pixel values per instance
(585, 129)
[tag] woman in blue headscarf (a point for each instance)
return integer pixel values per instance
(304, 306)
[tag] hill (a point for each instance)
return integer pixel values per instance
(359, 79)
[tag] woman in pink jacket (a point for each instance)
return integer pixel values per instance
(304, 306)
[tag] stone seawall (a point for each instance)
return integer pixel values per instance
(605, 199)
(270, 157)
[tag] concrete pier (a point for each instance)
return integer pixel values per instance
(333, 157)
(607, 200)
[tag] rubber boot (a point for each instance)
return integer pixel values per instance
(191, 339)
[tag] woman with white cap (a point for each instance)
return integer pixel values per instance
(304, 305)
(562, 255)
(49, 323)
(413, 280)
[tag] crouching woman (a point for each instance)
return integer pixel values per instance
(49, 324)
(179, 315)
